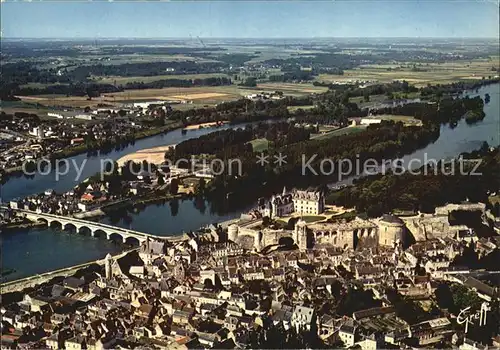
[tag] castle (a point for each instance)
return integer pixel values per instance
(387, 231)
(308, 202)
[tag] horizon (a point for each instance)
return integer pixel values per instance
(250, 20)
(249, 38)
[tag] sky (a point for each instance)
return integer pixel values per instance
(250, 19)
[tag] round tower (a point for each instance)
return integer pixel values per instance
(391, 230)
(232, 232)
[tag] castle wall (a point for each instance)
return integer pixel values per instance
(342, 239)
(430, 227)
(272, 237)
(345, 235)
(445, 210)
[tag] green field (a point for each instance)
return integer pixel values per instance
(292, 89)
(339, 132)
(312, 218)
(429, 73)
(259, 145)
(408, 120)
(294, 108)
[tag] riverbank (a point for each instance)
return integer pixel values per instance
(22, 226)
(74, 151)
(7, 174)
(32, 281)
(205, 125)
(154, 155)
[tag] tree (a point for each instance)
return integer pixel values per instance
(464, 297)
(161, 180)
(174, 186)
(496, 209)
(249, 82)
(444, 297)
(199, 189)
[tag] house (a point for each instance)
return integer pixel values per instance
(370, 121)
(483, 290)
(16, 204)
(136, 188)
(75, 343)
(326, 326)
(469, 344)
(73, 283)
(347, 333)
(303, 317)
(77, 141)
(137, 271)
(231, 323)
(52, 342)
(83, 206)
(432, 332)
(181, 317)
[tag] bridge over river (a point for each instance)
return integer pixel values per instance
(96, 228)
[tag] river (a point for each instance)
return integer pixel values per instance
(36, 251)
(20, 187)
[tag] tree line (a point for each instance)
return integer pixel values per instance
(164, 83)
(425, 191)
(234, 142)
(456, 88)
(446, 110)
(384, 141)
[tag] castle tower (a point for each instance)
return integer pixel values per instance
(300, 234)
(284, 190)
(232, 232)
(108, 266)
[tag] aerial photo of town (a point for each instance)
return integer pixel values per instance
(250, 175)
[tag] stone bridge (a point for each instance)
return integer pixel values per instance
(95, 228)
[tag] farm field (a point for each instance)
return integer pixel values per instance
(292, 89)
(207, 95)
(124, 80)
(146, 58)
(432, 73)
(338, 132)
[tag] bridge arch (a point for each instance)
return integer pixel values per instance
(116, 237)
(132, 240)
(99, 233)
(44, 221)
(69, 226)
(85, 231)
(55, 224)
